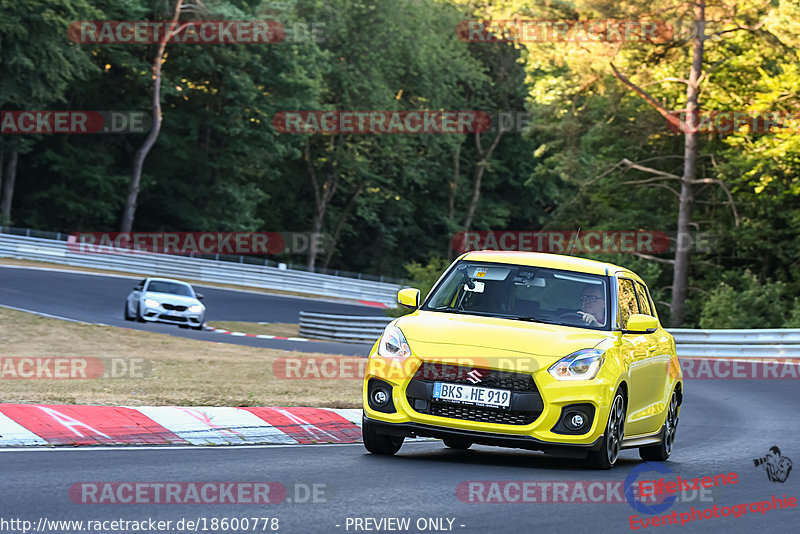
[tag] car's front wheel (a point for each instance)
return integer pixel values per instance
(127, 315)
(607, 455)
(662, 451)
(380, 443)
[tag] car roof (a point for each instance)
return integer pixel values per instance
(542, 259)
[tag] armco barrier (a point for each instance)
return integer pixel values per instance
(723, 343)
(226, 272)
(766, 343)
(347, 328)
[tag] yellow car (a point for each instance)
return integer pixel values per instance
(527, 350)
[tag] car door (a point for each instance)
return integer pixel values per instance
(659, 354)
(634, 349)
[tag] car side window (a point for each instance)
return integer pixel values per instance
(644, 304)
(627, 301)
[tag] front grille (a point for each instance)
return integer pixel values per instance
(174, 307)
(490, 378)
(484, 415)
(177, 318)
(526, 403)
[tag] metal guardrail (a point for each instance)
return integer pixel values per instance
(761, 343)
(724, 343)
(204, 270)
(347, 328)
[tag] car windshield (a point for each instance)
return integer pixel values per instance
(523, 293)
(159, 286)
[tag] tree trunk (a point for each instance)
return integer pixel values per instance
(340, 223)
(8, 187)
(451, 196)
(477, 177)
(680, 276)
(321, 199)
(138, 161)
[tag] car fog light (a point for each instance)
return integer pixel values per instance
(575, 420)
(380, 396)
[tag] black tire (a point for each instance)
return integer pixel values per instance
(127, 315)
(139, 318)
(611, 444)
(457, 443)
(183, 326)
(380, 443)
(198, 327)
(662, 451)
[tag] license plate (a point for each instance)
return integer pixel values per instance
(473, 395)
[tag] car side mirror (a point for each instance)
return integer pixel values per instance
(639, 323)
(199, 296)
(408, 297)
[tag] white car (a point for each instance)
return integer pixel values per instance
(162, 300)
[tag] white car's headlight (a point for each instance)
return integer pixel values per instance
(151, 303)
(197, 308)
(393, 344)
(581, 365)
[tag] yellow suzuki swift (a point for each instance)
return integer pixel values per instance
(527, 350)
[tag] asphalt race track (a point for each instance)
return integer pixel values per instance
(724, 425)
(100, 299)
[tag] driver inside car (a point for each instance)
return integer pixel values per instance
(593, 305)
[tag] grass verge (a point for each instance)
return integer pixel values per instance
(182, 372)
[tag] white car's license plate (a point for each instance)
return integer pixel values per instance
(476, 396)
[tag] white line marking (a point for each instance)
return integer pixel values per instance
(72, 448)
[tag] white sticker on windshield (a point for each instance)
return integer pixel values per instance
(479, 287)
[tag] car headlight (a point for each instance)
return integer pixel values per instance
(581, 365)
(151, 303)
(197, 308)
(393, 344)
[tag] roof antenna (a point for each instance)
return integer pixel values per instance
(577, 236)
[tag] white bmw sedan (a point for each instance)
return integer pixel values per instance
(162, 300)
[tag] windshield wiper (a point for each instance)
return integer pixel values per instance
(531, 320)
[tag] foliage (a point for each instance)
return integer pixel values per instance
(220, 165)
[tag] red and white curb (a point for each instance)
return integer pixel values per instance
(259, 336)
(56, 424)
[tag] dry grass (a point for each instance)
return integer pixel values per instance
(183, 372)
(272, 329)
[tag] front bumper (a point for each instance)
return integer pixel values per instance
(533, 422)
(160, 315)
(412, 430)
